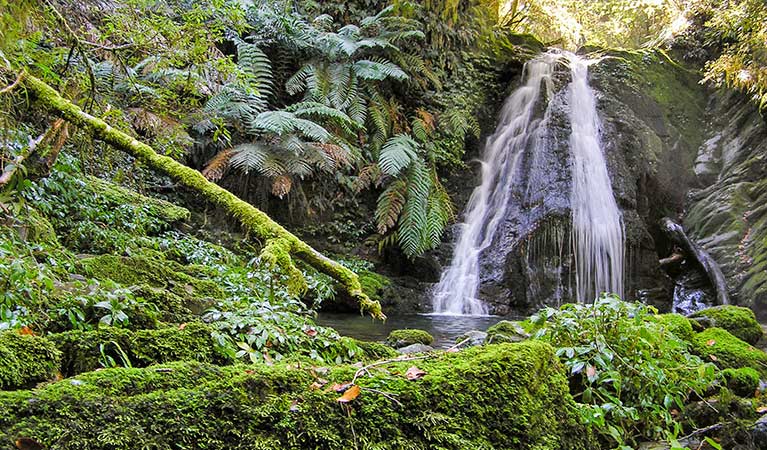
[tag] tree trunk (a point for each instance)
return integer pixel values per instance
(280, 244)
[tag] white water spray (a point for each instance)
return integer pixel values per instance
(458, 288)
(598, 235)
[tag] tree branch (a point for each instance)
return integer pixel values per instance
(281, 244)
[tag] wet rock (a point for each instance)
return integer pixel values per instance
(406, 337)
(475, 337)
(759, 433)
(415, 348)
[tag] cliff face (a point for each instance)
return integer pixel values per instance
(728, 214)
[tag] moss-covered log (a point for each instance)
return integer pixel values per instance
(509, 396)
(280, 244)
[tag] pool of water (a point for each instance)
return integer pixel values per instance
(444, 328)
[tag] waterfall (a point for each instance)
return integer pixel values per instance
(597, 227)
(598, 235)
(458, 288)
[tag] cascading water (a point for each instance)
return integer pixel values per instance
(457, 291)
(597, 234)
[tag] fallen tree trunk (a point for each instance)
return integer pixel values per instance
(279, 244)
(676, 234)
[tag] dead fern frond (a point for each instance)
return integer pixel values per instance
(217, 166)
(281, 186)
(370, 175)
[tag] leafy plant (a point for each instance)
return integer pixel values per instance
(627, 369)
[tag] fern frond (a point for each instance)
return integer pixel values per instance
(297, 82)
(281, 185)
(378, 70)
(369, 175)
(285, 122)
(389, 205)
(397, 153)
(256, 67)
(217, 166)
(412, 225)
(439, 213)
(247, 157)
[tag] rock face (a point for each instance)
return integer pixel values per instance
(728, 214)
(650, 110)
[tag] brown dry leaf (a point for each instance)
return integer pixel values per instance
(591, 371)
(338, 387)
(26, 330)
(414, 373)
(350, 394)
(311, 332)
(281, 185)
(710, 342)
(182, 326)
(315, 386)
(713, 358)
(294, 406)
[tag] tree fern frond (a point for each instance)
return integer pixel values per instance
(247, 157)
(217, 166)
(389, 205)
(297, 82)
(369, 175)
(439, 213)
(281, 185)
(257, 68)
(397, 153)
(378, 70)
(412, 224)
(285, 122)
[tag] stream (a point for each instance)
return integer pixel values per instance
(444, 328)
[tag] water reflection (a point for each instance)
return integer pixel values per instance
(444, 328)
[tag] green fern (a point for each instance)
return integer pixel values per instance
(397, 154)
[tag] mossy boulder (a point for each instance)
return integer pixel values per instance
(678, 325)
(83, 351)
(742, 382)
(183, 280)
(375, 350)
(493, 397)
(506, 331)
(373, 284)
(727, 351)
(26, 360)
(739, 321)
(403, 338)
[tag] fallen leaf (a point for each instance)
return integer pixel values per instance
(675, 413)
(452, 350)
(294, 406)
(358, 365)
(710, 342)
(414, 373)
(713, 358)
(182, 326)
(26, 330)
(315, 386)
(338, 387)
(350, 394)
(249, 372)
(311, 332)
(28, 444)
(591, 371)
(761, 410)
(268, 359)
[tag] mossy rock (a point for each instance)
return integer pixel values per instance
(375, 350)
(171, 307)
(117, 195)
(26, 360)
(493, 397)
(739, 321)
(506, 331)
(742, 382)
(182, 280)
(82, 350)
(728, 351)
(678, 325)
(403, 338)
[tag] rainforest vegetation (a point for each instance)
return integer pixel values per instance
(186, 184)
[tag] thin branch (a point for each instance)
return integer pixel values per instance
(366, 369)
(19, 79)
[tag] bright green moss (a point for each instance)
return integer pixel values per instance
(373, 284)
(506, 331)
(118, 195)
(743, 382)
(26, 360)
(677, 324)
(89, 350)
(182, 280)
(497, 397)
(739, 321)
(728, 351)
(375, 350)
(403, 338)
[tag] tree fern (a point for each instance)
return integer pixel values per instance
(378, 70)
(398, 153)
(256, 67)
(412, 226)
(285, 122)
(389, 205)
